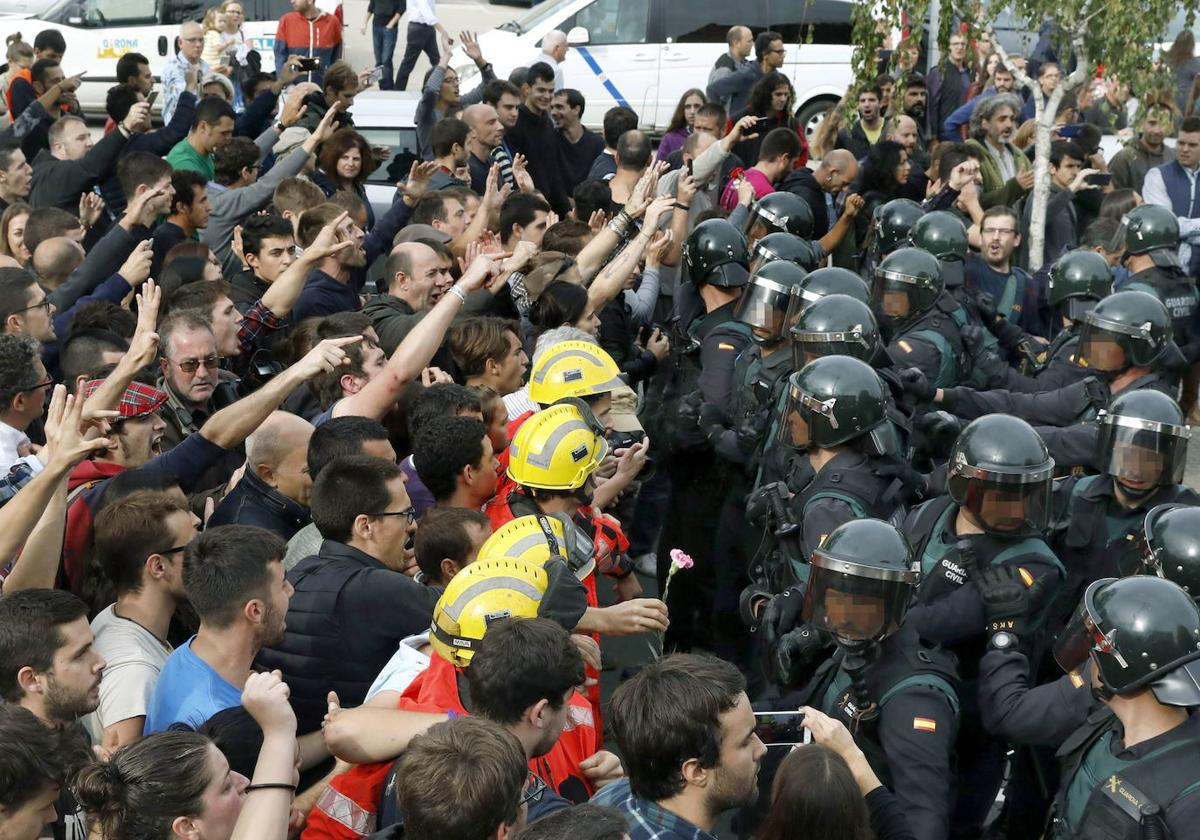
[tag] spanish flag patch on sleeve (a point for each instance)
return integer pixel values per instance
(905, 346)
(724, 346)
(925, 724)
(1076, 680)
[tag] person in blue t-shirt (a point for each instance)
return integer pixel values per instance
(233, 576)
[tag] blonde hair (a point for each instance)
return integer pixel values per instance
(210, 18)
(18, 49)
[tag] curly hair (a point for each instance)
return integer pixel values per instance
(17, 373)
(759, 101)
(342, 141)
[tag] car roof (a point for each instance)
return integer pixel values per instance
(385, 109)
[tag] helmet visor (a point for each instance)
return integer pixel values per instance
(813, 344)
(1011, 509)
(801, 413)
(1142, 454)
(892, 298)
(1077, 308)
(1083, 634)
(854, 602)
(764, 306)
(760, 222)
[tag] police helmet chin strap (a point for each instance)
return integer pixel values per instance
(866, 711)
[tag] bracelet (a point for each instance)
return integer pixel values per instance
(271, 786)
(459, 293)
(679, 206)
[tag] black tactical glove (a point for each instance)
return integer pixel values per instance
(985, 305)
(937, 431)
(751, 431)
(689, 412)
(797, 652)
(916, 383)
(1012, 599)
(781, 615)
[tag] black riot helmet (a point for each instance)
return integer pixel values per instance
(1126, 329)
(907, 284)
(827, 281)
(942, 234)
(835, 325)
(893, 222)
(1142, 632)
(832, 401)
(765, 301)
(862, 581)
(1078, 280)
(1172, 534)
(783, 246)
(715, 253)
(1142, 442)
(1149, 229)
(1000, 474)
(779, 212)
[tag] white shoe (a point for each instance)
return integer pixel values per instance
(647, 564)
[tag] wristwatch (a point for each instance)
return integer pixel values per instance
(1002, 640)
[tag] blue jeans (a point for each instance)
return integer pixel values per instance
(421, 39)
(384, 42)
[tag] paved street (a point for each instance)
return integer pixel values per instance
(456, 15)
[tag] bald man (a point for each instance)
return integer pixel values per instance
(55, 259)
(820, 187)
(273, 492)
(417, 276)
(486, 132)
(554, 53)
(741, 41)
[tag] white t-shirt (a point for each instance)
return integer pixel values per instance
(406, 663)
(135, 657)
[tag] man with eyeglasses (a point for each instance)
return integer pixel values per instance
(139, 544)
(734, 89)
(25, 308)
(992, 272)
(354, 602)
(190, 370)
(175, 76)
(23, 383)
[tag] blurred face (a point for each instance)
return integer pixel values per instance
(1000, 127)
(16, 236)
(27, 822)
(1137, 467)
(868, 106)
(488, 129)
(191, 366)
(1000, 239)
(512, 366)
(774, 55)
(1065, 172)
(957, 48)
(191, 41)
(15, 181)
(222, 800)
(541, 93)
(38, 319)
(735, 776)
(1049, 78)
(140, 439)
(853, 616)
(211, 136)
(349, 165)
(1002, 510)
(895, 303)
(225, 323)
(72, 685)
(274, 257)
(76, 141)
(1004, 80)
(507, 109)
(1187, 149)
(902, 169)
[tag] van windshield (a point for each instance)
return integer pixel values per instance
(102, 13)
(536, 15)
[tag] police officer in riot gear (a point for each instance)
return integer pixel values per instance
(1141, 450)
(889, 230)
(1000, 480)
(736, 428)
(699, 370)
(1172, 536)
(828, 281)
(834, 325)
(1076, 282)
(779, 212)
(897, 694)
(784, 246)
(1125, 343)
(905, 297)
(1129, 751)
(1150, 235)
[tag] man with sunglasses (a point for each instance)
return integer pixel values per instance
(189, 373)
(23, 383)
(354, 602)
(139, 544)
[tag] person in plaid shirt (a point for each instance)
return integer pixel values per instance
(686, 734)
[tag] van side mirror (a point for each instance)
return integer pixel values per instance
(578, 35)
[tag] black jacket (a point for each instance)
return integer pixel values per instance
(58, 183)
(344, 622)
(254, 502)
(536, 137)
(804, 184)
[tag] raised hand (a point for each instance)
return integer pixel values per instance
(91, 205)
(327, 243)
(136, 268)
(328, 355)
(521, 174)
(657, 247)
(265, 697)
(66, 432)
(138, 118)
(293, 106)
(418, 181)
(471, 46)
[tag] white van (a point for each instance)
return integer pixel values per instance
(645, 53)
(98, 32)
